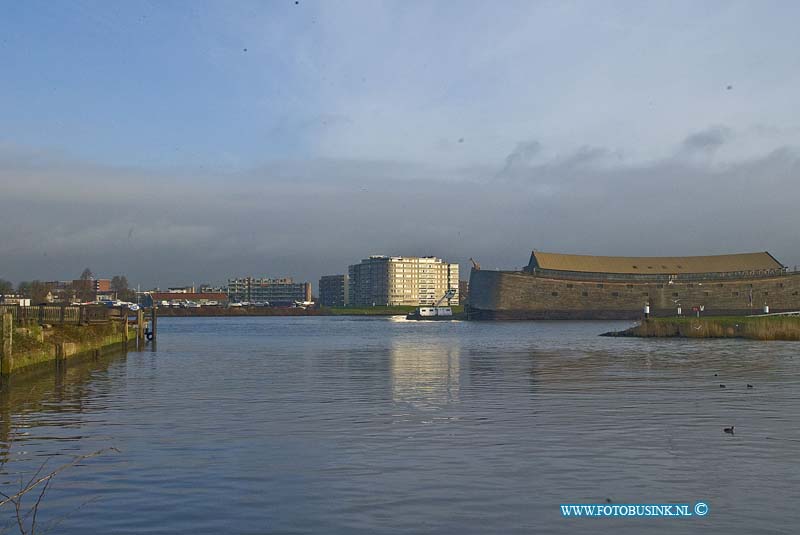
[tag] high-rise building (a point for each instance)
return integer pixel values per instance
(333, 290)
(402, 280)
(273, 291)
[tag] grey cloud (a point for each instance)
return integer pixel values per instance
(707, 141)
(311, 218)
(523, 154)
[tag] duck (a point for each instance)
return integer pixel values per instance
(730, 429)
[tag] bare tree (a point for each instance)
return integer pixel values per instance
(26, 510)
(6, 287)
(36, 291)
(119, 284)
(85, 289)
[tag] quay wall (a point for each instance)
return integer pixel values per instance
(34, 346)
(520, 295)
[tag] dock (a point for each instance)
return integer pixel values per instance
(37, 335)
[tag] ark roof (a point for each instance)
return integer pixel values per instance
(655, 265)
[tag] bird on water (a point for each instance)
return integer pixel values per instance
(730, 429)
(722, 386)
(749, 385)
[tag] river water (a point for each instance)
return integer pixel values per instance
(379, 425)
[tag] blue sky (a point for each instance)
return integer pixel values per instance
(206, 100)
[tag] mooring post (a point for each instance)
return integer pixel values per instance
(154, 321)
(6, 357)
(125, 327)
(61, 352)
(140, 327)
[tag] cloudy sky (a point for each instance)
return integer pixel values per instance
(192, 141)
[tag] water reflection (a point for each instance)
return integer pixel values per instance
(49, 396)
(425, 375)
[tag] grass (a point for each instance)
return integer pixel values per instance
(376, 311)
(32, 339)
(756, 328)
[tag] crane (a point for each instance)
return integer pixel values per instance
(476, 266)
(448, 295)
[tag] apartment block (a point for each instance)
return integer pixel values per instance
(402, 280)
(274, 291)
(334, 290)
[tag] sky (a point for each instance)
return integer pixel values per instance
(179, 142)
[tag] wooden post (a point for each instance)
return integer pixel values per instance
(140, 327)
(61, 352)
(125, 327)
(154, 321)
(6, 333)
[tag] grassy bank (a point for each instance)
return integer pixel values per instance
(375, 311)
(366, 311)
(267, 311)
(754, 328)
(234, 311)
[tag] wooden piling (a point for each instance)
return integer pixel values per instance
(6, 333)
(140, 327)
(154, 321)
(61, 352)
(125, 327)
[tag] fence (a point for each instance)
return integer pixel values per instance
(59, 314)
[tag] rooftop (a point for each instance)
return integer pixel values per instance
(655, 265)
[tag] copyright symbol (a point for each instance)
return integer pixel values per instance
(701, 508)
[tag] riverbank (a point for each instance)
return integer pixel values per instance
(35, 345)
(268, 311)
(753, 328)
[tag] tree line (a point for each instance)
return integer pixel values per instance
(81, 289)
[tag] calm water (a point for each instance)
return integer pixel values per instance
(349, 425)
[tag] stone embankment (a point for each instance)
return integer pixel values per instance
(749, 327)
(33, 344)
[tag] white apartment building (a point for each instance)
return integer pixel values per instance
(402, 280)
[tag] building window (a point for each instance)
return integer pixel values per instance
(586, 294)
(766, 293)
(674, 294)
(707, 293)
(660, 285)
(599, 285)
(645, 294)
(569, 285)
(554, 294)
(615, 294)
(736, 294)
(720, 285)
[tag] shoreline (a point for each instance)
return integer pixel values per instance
(783, 328)
(210, 312)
